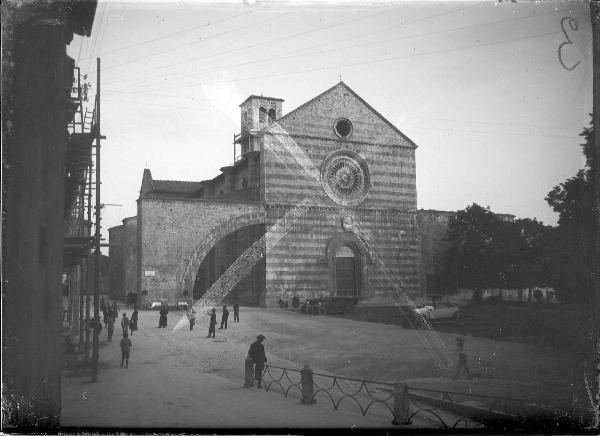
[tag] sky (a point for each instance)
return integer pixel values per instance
(494, 95)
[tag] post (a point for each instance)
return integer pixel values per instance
(248, 372)
(97, 234)
(88, 279)
(306, 375)
(401, 404)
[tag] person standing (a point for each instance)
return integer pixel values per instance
(125, 325)
(258, 356)
(462, 358)
(164, 310)
(191, 316)
(224, 318)
(115, 309)
(133, 320)
(213, 323)
(125, 347)
(110, 326)
(236, 312)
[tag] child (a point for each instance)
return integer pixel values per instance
(462, 358)
(125, 347)
(191, 315)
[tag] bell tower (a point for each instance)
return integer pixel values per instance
(257, 112)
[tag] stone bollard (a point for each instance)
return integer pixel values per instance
(401, 404)
(249, 372)
(306, 376)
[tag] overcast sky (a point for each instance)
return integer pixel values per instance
(478, 86)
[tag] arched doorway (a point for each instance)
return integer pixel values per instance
(347, 260)
(250, 289)
(346, 263)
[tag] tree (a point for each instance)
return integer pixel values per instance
(575, 236)
(468, 261)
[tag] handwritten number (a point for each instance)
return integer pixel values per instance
(573, 25)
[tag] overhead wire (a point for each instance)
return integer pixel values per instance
(262, 44)
(103, 33)
(497, 133)
(176, 33)
(349, 65)
(299, 51)
(169, 50)
(498, 124)
(104, 6)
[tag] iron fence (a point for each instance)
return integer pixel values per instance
(442, 408)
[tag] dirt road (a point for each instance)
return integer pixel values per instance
(183, 379)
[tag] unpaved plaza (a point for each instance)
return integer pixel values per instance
(183, 379)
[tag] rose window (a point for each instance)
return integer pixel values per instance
(345, 177)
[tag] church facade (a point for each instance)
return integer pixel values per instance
(318, 202)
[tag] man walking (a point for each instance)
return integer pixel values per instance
(110, 326)
(125, 347)
(224, 318)
(213, 323)
(133, 320)
(462, 358)
(236, 312)
(125, 325)
(257, 354)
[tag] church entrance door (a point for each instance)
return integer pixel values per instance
(346, 272)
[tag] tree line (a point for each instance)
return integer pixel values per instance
(489, 251)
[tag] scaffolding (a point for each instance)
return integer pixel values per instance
(80, 175)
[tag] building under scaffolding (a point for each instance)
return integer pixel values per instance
(45, 219)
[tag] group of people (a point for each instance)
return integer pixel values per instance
(191, 316)
(110, 313)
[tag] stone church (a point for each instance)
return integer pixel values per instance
(326, 195)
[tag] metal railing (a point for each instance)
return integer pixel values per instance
(444, 408)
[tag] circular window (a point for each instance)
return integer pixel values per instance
(345, 177)
(343, 128)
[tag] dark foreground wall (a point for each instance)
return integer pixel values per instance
(36, 77)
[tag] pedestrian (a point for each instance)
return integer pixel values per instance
(213, 323)
(133, 320)
(191, 316)
(110, 326)
(224, 318)
(236, 312)
(115, 309)
(162, 322)
(462, 358)
(125, 347)
(257, 354)
(125, 324)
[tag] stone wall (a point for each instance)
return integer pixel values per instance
(130, 244)
(36, 77)
(299, 263)
(294, 150)
(170, 233)
(116, 262)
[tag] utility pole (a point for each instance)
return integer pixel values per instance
(595, 18)
(97, 235)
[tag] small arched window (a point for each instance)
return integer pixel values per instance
(262, 115)
(272, 116)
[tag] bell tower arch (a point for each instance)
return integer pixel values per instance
(257, 112)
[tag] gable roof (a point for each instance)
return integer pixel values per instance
(358, 97)
(149, 185)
